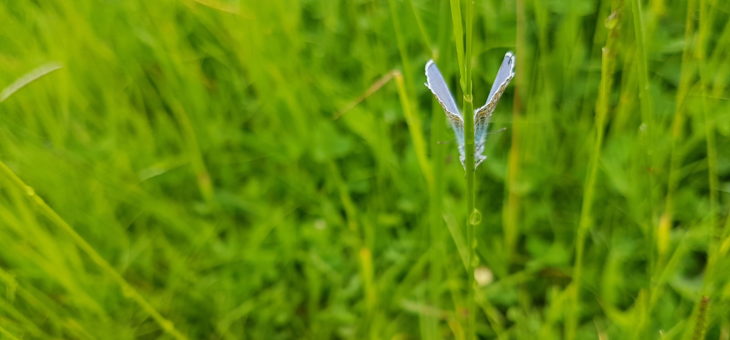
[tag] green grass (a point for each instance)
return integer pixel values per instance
(211, 169)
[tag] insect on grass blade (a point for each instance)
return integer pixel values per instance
(436, 83)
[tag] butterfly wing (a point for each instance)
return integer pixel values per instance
(483, 114)
(436, 83)
(504, 75)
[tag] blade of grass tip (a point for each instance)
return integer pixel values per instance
(586, 217)
(28, 78)
(166, 325)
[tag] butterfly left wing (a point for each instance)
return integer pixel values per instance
(436, 83)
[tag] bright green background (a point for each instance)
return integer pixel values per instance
(219, 170)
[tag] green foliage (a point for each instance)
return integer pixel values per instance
(213, 169)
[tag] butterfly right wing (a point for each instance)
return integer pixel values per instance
(505, 73)
(436, 83)
(483, 114)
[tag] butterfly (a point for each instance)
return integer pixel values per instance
(436, 83)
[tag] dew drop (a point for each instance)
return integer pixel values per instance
(475, 218)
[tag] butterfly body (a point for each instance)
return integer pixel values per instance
(436, 83)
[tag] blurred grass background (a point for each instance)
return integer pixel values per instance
(213, 169)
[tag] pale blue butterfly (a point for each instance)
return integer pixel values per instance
(436, 83)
